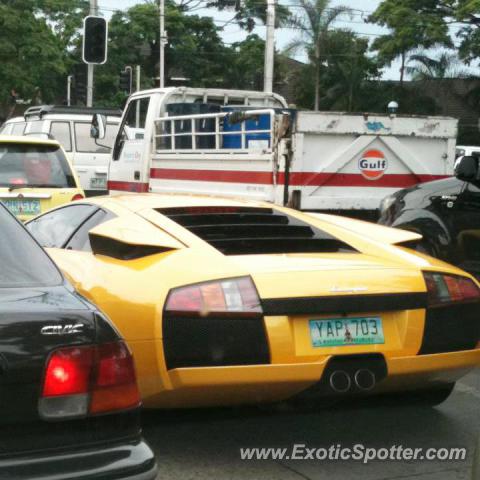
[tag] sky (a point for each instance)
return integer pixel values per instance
(232, 33)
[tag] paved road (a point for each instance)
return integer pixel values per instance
(205, 444)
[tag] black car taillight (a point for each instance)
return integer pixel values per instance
(88, 380)
(444, 289)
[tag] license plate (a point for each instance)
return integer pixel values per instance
(335, 332)
(23, 207)
(98, 182)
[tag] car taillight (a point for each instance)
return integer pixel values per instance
(77, 196)
(443, 289)
(222, 296)
(87, 380)
(115, 385)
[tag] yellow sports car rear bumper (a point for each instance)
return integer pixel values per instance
(276, 382)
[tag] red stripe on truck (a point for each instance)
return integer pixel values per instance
(296, 178)
(227, 176)
(137, 187)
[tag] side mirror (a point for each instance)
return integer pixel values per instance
(467, 169)
(98, 126)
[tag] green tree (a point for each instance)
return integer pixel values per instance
(36, 37)
(445, 65)
(315, 26)
(247, 13)
(348, 71)
(466, 13)
(410, 27)
(245, 63)
(349, 68)
(195, 50)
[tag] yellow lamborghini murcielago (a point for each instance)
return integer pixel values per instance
(227, 301)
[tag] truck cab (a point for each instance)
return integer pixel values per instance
(164, 130)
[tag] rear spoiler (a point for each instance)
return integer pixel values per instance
(380, 233)
(129, 238)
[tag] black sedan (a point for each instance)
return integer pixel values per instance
(447, 214)
(69, 401)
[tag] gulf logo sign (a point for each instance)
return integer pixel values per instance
(373, 164)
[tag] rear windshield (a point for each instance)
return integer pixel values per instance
(254, 231)
(30, 165)
(23, 262)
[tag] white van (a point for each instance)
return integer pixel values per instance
(71, 127)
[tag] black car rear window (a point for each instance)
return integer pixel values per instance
(22, 262)
(32, 165)
(250, 231)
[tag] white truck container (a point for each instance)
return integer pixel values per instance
(251, 145)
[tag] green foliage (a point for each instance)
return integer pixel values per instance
(349, 68)
(248, 12)
(246, 64)
(445, 65)
(315, 27)
(194, 51)
(411, 27)
(424, 23)
(34, 36)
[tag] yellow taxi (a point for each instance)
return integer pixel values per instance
(35, 175)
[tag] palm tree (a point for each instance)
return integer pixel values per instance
(446, 65)
(315, 25)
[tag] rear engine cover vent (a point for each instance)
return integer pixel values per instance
(251, 230)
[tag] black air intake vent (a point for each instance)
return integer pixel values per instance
(451, 329)
(190, 340)
(249, 230)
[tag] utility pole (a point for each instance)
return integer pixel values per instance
(269, 47)
(69, 90)
(90, 67)
(137, 71)
(163, 41)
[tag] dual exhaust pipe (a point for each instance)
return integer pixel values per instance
(342, 382)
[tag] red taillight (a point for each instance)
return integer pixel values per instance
(115, 385)
(77, 196)
(443, 289)
(17, 181)
(89, 380)
(232, 295)
(68, 372)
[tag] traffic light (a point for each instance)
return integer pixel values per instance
(126, 80)
(94, 40)
(80, 84)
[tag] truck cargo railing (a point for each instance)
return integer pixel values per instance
(222, 132)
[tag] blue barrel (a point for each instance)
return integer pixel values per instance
(231, 141)
(261, 122)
